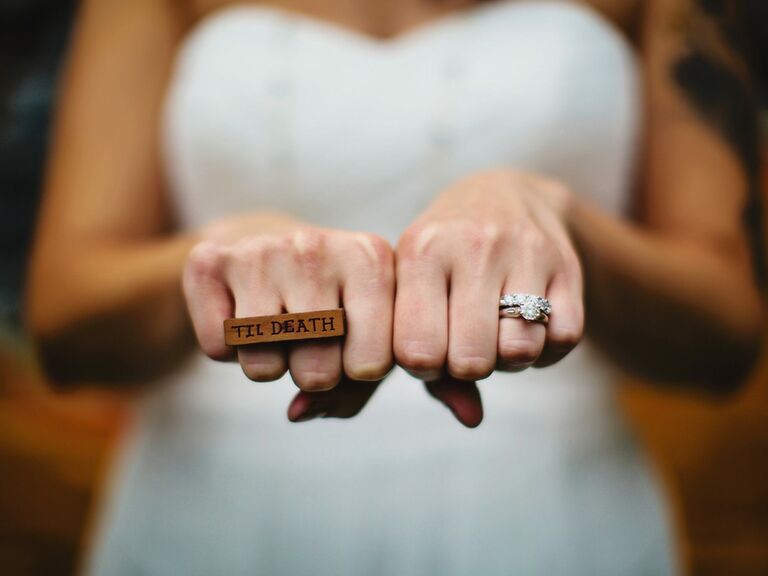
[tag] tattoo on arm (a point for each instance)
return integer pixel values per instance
(712, 75)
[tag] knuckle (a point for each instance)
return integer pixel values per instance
(482, 236)
(374, 257)
(204, 260)
(417, 242)
(373, 247)
(470, 367)
(530, 241)
(483, 243)
(309, 252)
(256, 250)
(530, 237)
(520, 351)
(308, 245)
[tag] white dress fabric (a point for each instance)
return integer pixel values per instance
(269, 109)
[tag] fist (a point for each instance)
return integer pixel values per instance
(268, 264)
(492, 233)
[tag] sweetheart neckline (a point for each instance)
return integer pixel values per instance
(398, 39)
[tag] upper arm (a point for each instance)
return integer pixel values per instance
(702, 161)
(104, 180)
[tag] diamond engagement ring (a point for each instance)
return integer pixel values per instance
(527, 306)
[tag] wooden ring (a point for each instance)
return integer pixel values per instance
(284, 327)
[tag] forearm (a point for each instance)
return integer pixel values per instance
(667, 308)
(110, 314)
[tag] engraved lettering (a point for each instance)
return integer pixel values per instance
(279, 327)
(241, 327)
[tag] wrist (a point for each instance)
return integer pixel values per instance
(576, 216)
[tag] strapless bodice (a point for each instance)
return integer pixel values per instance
(268, 109)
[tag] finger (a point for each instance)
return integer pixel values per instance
(263, 362)
(566, 323)
(565, 293)
(462, 397)
(255, 295)
(420, 337)
(521, 341)
(368, 287)
(208, 299)
(473, 324)
(344, 401)
(310, 282)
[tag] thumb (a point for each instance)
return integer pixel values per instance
(462, 397)
(346, 400)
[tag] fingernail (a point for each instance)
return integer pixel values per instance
(314, 410)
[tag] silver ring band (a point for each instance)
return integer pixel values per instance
(514, 312)
(527, 306)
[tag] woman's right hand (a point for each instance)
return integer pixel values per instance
(265, 264)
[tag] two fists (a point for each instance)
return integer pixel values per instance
(431, 304)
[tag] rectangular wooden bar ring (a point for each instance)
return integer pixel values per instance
(282, 327)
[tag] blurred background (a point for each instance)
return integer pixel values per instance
(55, 447)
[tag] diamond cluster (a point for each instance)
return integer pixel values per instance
(530, 305)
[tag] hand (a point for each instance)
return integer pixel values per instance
(266, 264)
(492, 233)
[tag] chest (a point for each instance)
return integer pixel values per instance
(269, 110)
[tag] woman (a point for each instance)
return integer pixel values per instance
(411, 162)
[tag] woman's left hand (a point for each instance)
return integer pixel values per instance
(495, 232)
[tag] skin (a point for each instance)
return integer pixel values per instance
(108, 259)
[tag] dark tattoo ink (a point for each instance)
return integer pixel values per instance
(724, 100)
(714, 8)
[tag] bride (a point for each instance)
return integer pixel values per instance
(412, 162)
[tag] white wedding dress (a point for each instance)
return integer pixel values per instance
(269, 109)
